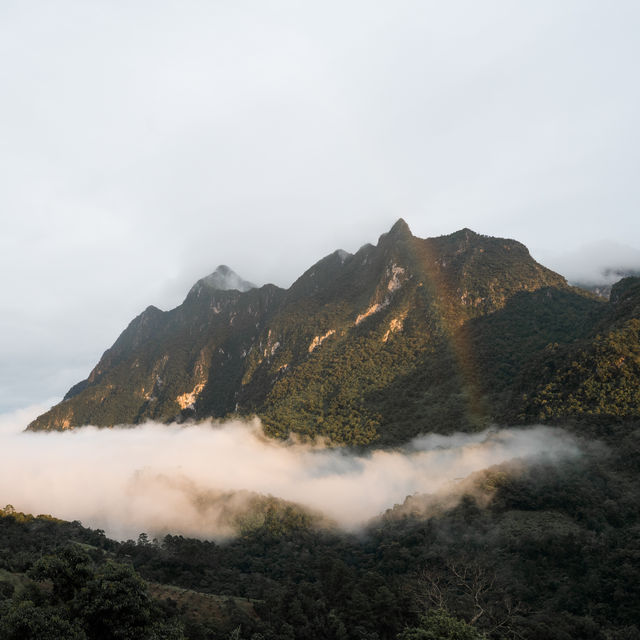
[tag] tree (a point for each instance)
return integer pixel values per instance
(68, 570)
(24, 620)
(106, 603)
(440, 625)
(114, 604)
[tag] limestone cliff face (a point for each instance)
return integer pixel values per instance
(407, 336)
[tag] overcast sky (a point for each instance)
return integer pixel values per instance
(144, 143)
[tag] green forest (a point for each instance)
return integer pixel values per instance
(541, 551)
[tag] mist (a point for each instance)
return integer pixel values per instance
(190, 480)
(597, 263)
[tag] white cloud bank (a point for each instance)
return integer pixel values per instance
(160, 478)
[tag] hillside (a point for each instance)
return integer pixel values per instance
(407, 336)
(596, 378)
(539, 551)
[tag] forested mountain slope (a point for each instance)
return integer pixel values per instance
(408, 336)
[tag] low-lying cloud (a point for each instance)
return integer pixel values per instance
(170, 478)
(598, 263)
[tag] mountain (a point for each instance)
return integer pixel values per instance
(593, 379)
(408, 336)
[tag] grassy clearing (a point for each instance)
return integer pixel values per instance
(202, 606)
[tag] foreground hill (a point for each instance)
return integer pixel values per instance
(408, 336)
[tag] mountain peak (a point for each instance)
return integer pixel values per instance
(399, 231)
(400, 228)
(224, 279)
(224, 270)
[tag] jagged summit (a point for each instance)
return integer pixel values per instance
(400, 228)
(399, 231)
(224, 279)
(415, 334)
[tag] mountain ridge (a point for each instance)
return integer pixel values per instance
(407, 336)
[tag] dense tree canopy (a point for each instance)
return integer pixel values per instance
(545, 551)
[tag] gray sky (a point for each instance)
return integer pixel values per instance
(144, 143)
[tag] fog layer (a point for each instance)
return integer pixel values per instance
(154, 477)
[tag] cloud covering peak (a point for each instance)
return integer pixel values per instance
(225, 278)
